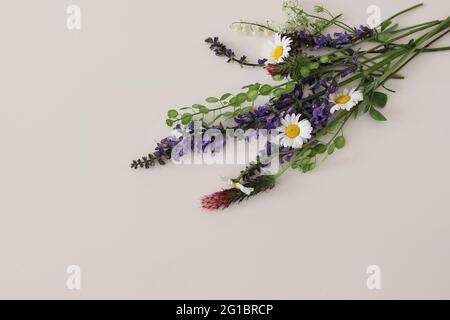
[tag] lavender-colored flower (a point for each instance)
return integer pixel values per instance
(244, 118)
(332, 88)
(319, 84)
(262, 61)
(363, 32)
(298, 91)
(342, 38)
(321, 114)
(323, 40)
(339, 39)
(262, 111)
(284, 102)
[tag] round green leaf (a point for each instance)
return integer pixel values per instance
(305, 72)
(339, 142)
(278, 92)
(290, 86)
(169, 122)
(265, 90)
(186, 118)
(252, 95)
(320, 148)
(241, 98)
(225, 96)
(212, 100)
(172, 113)
(203, 109)
(278, 77)
(379, 99)
(324, 59)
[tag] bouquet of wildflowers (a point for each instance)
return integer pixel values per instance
(322, 81)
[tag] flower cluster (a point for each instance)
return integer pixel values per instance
(337, 40)
(310, 100)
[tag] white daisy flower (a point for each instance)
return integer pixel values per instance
(278, 49)
(237, 185)
(346, 99)
(294, 132)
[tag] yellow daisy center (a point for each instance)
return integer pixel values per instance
(342, 99)
(292, 131)
(277, 52)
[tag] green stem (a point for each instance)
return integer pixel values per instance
(329, 22)
(433, 23)
(403, 12)
(256, 25)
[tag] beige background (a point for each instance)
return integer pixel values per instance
(77, 106)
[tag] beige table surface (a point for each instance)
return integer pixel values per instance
(77, 106)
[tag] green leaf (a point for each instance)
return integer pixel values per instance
(212, 100)
(278, 77)
(320, 148)
(233, 101)
(385, 24)
(203, 109)
(383, 36)
(305, 72)
(392, 28)
(376, 115)
(313, 153)
(324, 59)
(307, 152)
(331, 148)
(290, 86)
(305, 161)
(254, 86)
(339, 142)
(252, 95)
(278, 92)
(225, 96)
(169, 122)
(186, 118)
(379, 99)
(243, 110)
(241, 98)
(172, 113)
(313, 65)
(265, 90)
